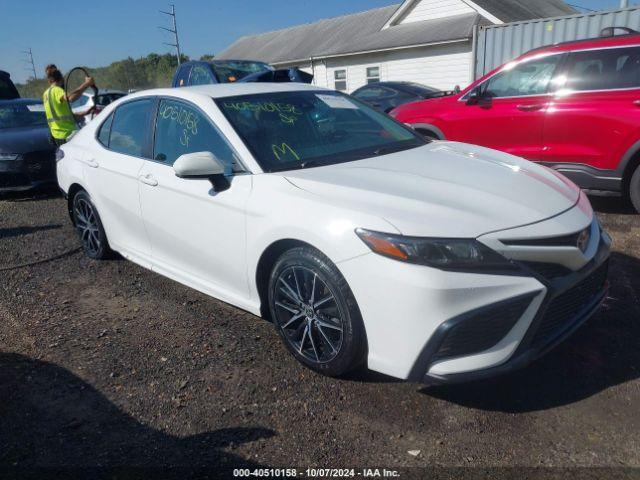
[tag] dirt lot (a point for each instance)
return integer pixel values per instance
(110, 365)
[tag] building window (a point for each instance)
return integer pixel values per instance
(373, 74)
(340, 77)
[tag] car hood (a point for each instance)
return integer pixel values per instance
(443, 189)
(24, 139)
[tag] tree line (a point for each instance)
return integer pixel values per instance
(152, 71)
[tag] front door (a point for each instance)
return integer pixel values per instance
(197, 232)
(510, 111)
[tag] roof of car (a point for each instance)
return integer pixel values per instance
(222, 90)
(587, 44)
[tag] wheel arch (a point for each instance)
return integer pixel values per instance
(628, 164)
(265, 265)
(429, 128)
(74, 188)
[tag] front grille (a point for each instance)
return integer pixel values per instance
(8, 180)
(564, 241)
(548, 270)
(482, 331)
(564, 310)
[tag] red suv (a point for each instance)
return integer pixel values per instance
(574, 107)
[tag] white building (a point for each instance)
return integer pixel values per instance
(425, 41)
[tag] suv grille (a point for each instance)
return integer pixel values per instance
(564, 309)
(482, 331)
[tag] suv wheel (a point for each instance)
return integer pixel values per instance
(634, 189)
(315, 312)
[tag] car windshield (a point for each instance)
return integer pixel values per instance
(22, 114)
(293, 130)
(232, 71)
(421, 89)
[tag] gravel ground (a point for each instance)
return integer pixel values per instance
(105, 364)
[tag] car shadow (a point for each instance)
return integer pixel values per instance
(58, 426)
(603, 353)
(20, 231)
(41, 193)
(614, 205)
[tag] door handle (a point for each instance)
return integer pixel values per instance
(148, 180)
(90, 162)
(530, 108)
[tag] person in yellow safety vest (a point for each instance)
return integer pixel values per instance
(57, 105)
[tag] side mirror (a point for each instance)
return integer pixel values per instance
(456, 89)
(203, 165)
(198, 165)
(473, 98)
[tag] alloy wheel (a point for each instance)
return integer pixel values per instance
(87, 226)
(308, 314)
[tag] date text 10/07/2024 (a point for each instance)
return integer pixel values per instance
(316, 473)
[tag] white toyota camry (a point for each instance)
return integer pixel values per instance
(362, 242)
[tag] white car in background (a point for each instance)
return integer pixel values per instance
(362, 242)
(88, 100)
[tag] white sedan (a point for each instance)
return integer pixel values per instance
(363, 243)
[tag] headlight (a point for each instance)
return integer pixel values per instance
(9, 156)
(443, 253)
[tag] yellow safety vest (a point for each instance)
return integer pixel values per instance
(59, 115)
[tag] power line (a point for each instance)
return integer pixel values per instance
(29, 60)
(172, 14)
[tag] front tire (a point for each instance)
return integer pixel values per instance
(89, 227)
(316, 313)
(634, 189)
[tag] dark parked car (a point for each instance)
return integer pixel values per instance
(386, 96)
(8, 90)
(27, 158)
(230, 71)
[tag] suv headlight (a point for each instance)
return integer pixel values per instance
(9, 156)
(442, 253)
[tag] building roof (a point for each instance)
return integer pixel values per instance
(516, 10)
(365, 31)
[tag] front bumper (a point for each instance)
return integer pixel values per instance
(431, 326)
(29, 171)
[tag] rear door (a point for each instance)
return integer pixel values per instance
(595, 116)
(112, 172)
(509, 115)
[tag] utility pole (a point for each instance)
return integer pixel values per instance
(172, 14)
(29, 60)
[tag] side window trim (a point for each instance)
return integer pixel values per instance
(187, 103)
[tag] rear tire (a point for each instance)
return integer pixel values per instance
(634, 189)
(316, 313)
(89, 227)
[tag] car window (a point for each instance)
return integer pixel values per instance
(182, 128)
(201, 75)
(302, 129)
(528, 78)
(373, 93)
(14, 115)
(230, 71)
(183, 76)
(105, 131)
(129, 127)
(80, 102)
(603, 69)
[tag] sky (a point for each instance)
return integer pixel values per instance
(70, 33)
